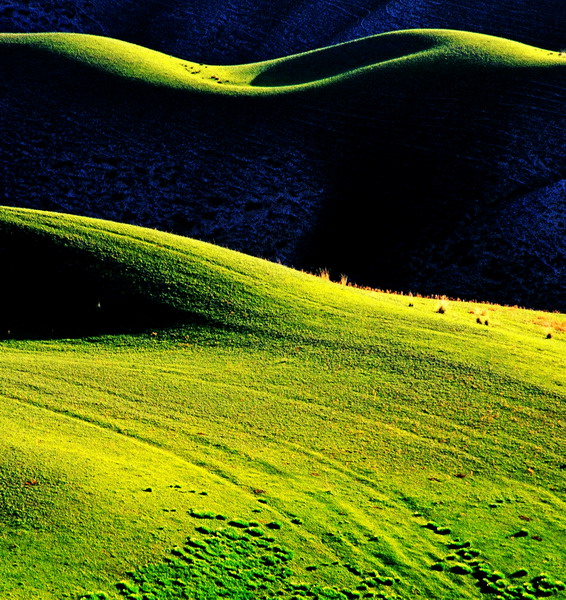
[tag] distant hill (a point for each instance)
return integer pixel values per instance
(234, 31)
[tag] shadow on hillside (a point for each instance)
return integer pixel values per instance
(338, 60)
(50, 294)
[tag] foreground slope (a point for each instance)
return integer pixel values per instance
(355, 423)
(412, 160)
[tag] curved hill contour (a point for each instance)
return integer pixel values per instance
(378, 158)
(235, 31)
(424, 50)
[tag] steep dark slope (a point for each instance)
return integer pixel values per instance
(232, 31)
(403, 175)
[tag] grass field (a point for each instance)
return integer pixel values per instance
(381, 54)
(311, 438)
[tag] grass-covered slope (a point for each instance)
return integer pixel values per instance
(416, 48)
(353, 438)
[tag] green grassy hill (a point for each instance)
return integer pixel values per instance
(311, 438)
(428, 48)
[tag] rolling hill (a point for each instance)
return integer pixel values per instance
(311, 439)
(410, 160)
(237, 31)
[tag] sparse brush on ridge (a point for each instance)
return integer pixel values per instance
(443, 306)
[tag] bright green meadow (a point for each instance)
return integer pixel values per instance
(277, 435)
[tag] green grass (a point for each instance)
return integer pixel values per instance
(426, 50)
(374, 434)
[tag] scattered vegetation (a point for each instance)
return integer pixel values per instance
(225, 565)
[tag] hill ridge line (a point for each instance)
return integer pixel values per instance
(297, 72)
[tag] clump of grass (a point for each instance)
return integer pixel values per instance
(204, 530)
(520, 573)
(239, 523)
(457, 545)
(461, 569)
(324, 274)
(521, 533)
(202, 514)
